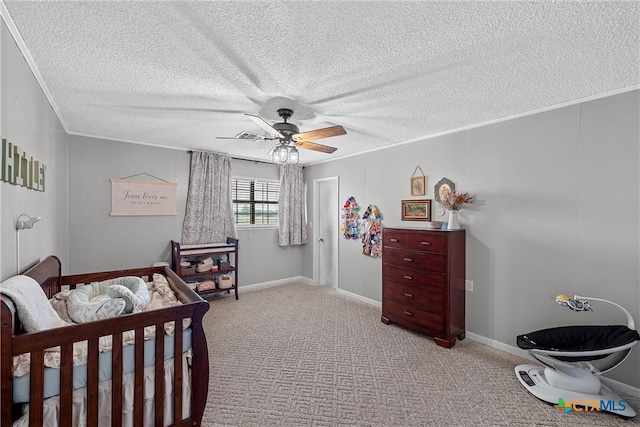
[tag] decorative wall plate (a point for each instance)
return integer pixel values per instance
(443, 186)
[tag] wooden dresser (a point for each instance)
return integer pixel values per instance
(423, 282)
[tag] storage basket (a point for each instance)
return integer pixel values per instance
(206, 285)
(225, 282)
(187, 269)
(204, 265)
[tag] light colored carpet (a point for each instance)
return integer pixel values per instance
(303, 355)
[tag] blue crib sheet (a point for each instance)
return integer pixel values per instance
(52, 375)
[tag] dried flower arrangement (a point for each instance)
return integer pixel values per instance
(455, 201)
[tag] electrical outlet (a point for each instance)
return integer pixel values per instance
(468, 285)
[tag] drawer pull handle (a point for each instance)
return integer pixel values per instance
(393, 240)
(408, 295)
(408, 277)
(425, 243)
(408, 313)
(408, 259)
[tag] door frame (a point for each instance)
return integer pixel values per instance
(316, 227)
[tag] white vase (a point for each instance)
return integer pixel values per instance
(454, 220)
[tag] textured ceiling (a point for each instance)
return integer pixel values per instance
(181, 73)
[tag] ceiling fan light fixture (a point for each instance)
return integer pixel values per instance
(289, 136)
(280, 154)
(283, 154)
(294, 156)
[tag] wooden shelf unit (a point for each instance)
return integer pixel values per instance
(193, 252)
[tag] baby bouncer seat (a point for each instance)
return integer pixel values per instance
(574, 357)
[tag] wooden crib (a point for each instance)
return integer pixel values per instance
(14, 341)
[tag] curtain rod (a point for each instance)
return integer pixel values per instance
(254, 161)
(246, 160)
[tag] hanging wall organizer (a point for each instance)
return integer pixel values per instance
(372, 233)
(350, 219)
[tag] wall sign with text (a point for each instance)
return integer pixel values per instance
(131, 197)
(19, 168)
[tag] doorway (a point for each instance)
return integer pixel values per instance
(326, 217)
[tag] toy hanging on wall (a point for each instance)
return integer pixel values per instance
(372, 233)
(351, 221)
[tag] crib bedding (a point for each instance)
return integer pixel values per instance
(121, 295)
(160, 296)
(52, 375)
(51, 406)
(63, 375)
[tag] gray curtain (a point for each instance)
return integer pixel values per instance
(292, 207)
(209, 215)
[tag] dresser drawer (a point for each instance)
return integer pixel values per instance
(402, 312)
(417, 279)
(421, 298)
(426, 241)
(414, 260)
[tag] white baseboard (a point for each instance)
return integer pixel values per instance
(621, 387)
(306, 281)
(360, 298)
(272, 283)
(617, 385)
(499, 345)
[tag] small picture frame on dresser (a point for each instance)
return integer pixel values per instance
(416, 210)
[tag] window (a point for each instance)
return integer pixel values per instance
(255, 202)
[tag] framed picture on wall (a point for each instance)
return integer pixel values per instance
(443, 186)
(416, 210)
(417, 185)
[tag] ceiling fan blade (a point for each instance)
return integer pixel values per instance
(247, 135)
(319, 133)
(315, 147)
(265, 125)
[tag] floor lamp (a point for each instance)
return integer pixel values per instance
(26, 224)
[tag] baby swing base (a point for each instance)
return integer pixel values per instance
(574, 388)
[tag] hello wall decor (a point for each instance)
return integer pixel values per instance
(142, 198)
(19, 168)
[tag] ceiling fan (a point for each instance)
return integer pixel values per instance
(289, 137)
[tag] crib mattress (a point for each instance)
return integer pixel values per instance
(578, 338)
(52, 375)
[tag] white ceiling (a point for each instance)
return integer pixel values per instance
(178, 74)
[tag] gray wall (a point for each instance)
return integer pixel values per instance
(28, 121)
(98, 241)
(557, 212)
